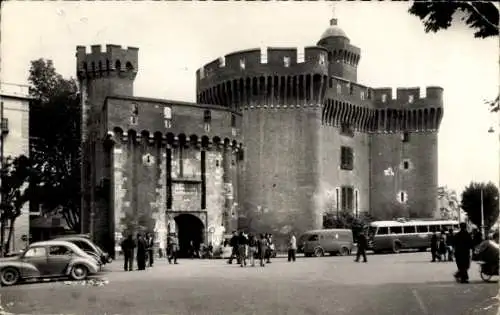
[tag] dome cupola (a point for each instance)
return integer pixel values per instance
(333, 31)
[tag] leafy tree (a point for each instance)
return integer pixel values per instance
(55, 141)
(16, 189)
(449, 206)
(471, 203)
(481, 16)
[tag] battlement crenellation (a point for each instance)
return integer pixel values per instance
(113, 57)
(275, 58)
(431, 95)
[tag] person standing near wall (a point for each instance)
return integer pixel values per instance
(292, 247)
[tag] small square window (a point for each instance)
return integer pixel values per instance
(339, 89)
(242, 64)
(286, 61)
(362, 95)
(351, 89)
(168, 123)
(410, 98)
(133, 120)
(206, 127)
(384, 98)
(330, 83)
(406, 165)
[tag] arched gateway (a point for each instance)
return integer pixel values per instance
(189, 229)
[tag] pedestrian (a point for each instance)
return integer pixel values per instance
(242, 248)
(173, 248)
(252, 249)
(261, 249)
(434, 246)
(150, 248)
(292, 247)
(141, 252)
(234, 248)
(362, 245)
(128, 246)
(442, 246)
(463, 245)
(270, 248)
(449, 244)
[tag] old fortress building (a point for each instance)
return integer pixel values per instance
(275, 139)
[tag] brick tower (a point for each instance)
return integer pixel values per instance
(100, 74)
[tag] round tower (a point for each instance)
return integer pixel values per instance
(342, 56)
(280, 94)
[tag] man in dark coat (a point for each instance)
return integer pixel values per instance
(463, 245)
(434, 246)
(362, 245)
(173, 248)
(128, 246)
(150, 248)
(141, 252)
(234, 248)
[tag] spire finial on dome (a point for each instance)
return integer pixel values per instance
(333, 21)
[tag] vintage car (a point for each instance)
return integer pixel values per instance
(48, 259)
(87, 246)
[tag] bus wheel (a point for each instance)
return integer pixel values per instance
(396, 247)
(422, 249)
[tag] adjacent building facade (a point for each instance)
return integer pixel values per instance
(275, 139)
(14, 128)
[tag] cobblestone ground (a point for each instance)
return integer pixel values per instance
(387, 284)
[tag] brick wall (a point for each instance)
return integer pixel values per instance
(281, 170)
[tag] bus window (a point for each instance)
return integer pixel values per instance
(446, 227)
(383, 231)
(409, 229)
(422, 229)
(396, 230)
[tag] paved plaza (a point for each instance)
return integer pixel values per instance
(388, 284)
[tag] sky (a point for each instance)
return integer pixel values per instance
(177, 38)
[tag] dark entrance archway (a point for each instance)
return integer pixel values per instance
(189, 229)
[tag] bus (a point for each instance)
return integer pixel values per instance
(396, 235)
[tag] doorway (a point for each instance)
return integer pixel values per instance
(190, 230)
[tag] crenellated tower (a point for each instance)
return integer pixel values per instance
(280, 93)
(404, 152)
(100, 74)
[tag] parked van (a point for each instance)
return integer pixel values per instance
(333, 241)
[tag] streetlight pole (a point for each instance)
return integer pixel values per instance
(482, 213)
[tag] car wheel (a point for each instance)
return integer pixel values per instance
(318, 252)
(396, 247)
(344, 251)
(109, 260)
(9, 276)
(79, 272)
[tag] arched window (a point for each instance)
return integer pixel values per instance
(167, 116)
(207, 120)
(134, 114)
(118, 65)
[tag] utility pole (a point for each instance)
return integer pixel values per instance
(482, 214)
